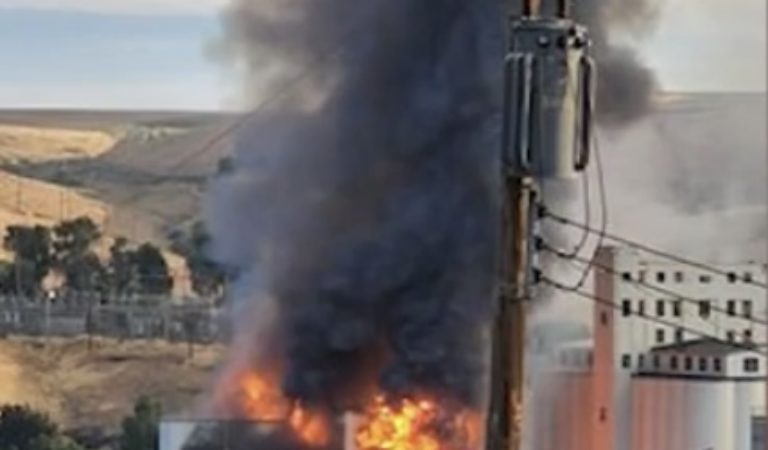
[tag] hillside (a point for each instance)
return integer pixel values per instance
(98, 387)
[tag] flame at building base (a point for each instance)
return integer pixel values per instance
(417, 424)
(386, 422)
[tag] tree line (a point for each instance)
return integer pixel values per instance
(22, 428)
(68, 250)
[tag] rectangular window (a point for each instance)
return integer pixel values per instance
(661, 277)
(705, 279)
(730, 336)
(626, 276)
(626, 307)
(748, 277)
(656, 361)
(677, 308)
(626, 361)
(751, 365)
(679, 335)
(718, 363)
(673, 363)
(731, 307)
(660, 336)
(660, 308)
(688, 363)
(641, 307)
(703, 364)
(640, 361)
(748, 336)
(641, 276)
(746, 308)
(705, 309)
(732, 277)
(679, 277)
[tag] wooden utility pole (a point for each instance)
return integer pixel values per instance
(546, 135)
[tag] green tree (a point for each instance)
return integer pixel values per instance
(21, 427)
(73, 255)
(32, 260)
(121, 269)
(140, 430)
(152, 274)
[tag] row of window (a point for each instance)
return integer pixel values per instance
(680, 277)
(679, 336)
(675, 307)
(675, 362)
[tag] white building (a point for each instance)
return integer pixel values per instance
(650, 381)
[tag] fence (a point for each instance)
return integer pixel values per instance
(137, 318)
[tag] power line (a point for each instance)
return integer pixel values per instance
(544, 212)
(675, 295)
(607, 302)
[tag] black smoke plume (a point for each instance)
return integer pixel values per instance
(363, 206)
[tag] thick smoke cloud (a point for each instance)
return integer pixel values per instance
(362, 210)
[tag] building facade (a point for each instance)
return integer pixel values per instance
(676, 362)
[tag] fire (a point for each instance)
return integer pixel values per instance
(417, 424)
(260, 399)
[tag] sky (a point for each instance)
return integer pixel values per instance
(151, 54)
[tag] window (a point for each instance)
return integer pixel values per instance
(688, 363)
(705, 309)
(626, 361)
(746, 308)
(626, 276)
(660, 308)
(677, 308)
(641, 307)
(703, 363)
(718, 363)
(660, 336)
(640, 361)
(705, 279)
(641, 276)
(730, 336)
(679, 335)
(661, 277)
(656, 361)
(673, 363)
(626, 307)
(751, 365)
(747, 277)
(731, 307)
(679, 277)
(732, 277)
(747, 335)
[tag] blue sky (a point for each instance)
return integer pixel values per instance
(150, 53)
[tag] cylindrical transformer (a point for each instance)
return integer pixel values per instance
(549, 99)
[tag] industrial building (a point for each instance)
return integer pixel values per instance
(662, 372)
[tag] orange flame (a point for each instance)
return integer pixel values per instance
(261, 400)
(421, 424)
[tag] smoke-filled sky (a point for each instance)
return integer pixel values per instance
(149, 53)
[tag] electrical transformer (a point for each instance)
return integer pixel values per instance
(549, 98)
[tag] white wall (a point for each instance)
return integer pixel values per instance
(680, 414)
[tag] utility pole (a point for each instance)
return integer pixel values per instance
(547, 128)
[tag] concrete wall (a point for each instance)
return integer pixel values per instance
(686, 414)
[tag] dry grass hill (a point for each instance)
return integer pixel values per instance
(82, 387)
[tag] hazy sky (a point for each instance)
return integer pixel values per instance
(150, 53)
